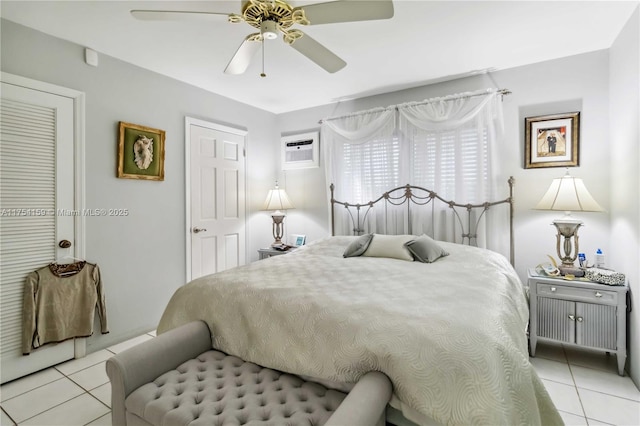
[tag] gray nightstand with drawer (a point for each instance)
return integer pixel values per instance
(578, 313)
(264, 253)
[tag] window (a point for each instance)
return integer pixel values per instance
(372, 167)
(454, 163)
(442, 144)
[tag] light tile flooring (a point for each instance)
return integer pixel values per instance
(76, 392)
(584, 385)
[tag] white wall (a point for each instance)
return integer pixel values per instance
(578, 83)
(142, 256)
(624, 68)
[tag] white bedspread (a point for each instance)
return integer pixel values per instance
(450, 335)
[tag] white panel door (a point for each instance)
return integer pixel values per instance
(36, 181)
(216, 210)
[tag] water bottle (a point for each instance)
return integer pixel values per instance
(582, 260)
(599, 259)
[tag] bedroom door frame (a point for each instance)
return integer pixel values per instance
(71, 169)
(189, 122)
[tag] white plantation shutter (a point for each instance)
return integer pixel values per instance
(371, 168)
(454, 162)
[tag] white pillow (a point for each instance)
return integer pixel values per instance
(391, 246)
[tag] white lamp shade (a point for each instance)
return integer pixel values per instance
(568, 193)
(277, 199)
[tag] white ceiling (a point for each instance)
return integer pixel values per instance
(425, 41)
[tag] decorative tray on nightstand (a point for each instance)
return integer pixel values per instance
(604, 276)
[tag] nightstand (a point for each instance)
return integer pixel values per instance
(578, 313)
(263, 253)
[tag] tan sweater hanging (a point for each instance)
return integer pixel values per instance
(60, 302)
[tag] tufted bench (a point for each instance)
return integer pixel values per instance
(177, 379)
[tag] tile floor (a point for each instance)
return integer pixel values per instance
(76, 392)
(584, 385)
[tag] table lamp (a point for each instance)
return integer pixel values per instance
(277, 200)
(568, 194)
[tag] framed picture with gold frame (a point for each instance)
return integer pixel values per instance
(552, 140)
(140, 152)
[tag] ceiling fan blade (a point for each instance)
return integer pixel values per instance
(176, 15)
(348, 11)
(318, 54)
(243, 56)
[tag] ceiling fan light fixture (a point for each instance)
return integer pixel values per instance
(269, 29)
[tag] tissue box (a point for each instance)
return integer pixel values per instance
(604, 276)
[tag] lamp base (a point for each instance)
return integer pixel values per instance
(278, 218)
(567, 237)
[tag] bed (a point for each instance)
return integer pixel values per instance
(450, 334)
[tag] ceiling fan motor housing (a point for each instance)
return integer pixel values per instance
(255, 12)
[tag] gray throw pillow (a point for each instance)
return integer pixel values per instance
(358, 246)
(425, 249)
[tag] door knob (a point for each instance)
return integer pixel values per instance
(196, 230)
(64, 244)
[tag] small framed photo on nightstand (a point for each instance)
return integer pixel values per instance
(297, 240)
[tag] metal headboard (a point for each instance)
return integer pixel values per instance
(467, 216)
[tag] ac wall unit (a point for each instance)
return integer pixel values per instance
(300, 151)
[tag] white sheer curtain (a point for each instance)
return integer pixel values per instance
(361, 153)
(447, 144)
(362, 159)
(454, 143)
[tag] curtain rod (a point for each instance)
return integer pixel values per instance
(502, 92)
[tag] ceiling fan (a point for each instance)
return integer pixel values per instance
(277, 16)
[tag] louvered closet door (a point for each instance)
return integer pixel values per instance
(36, 182)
